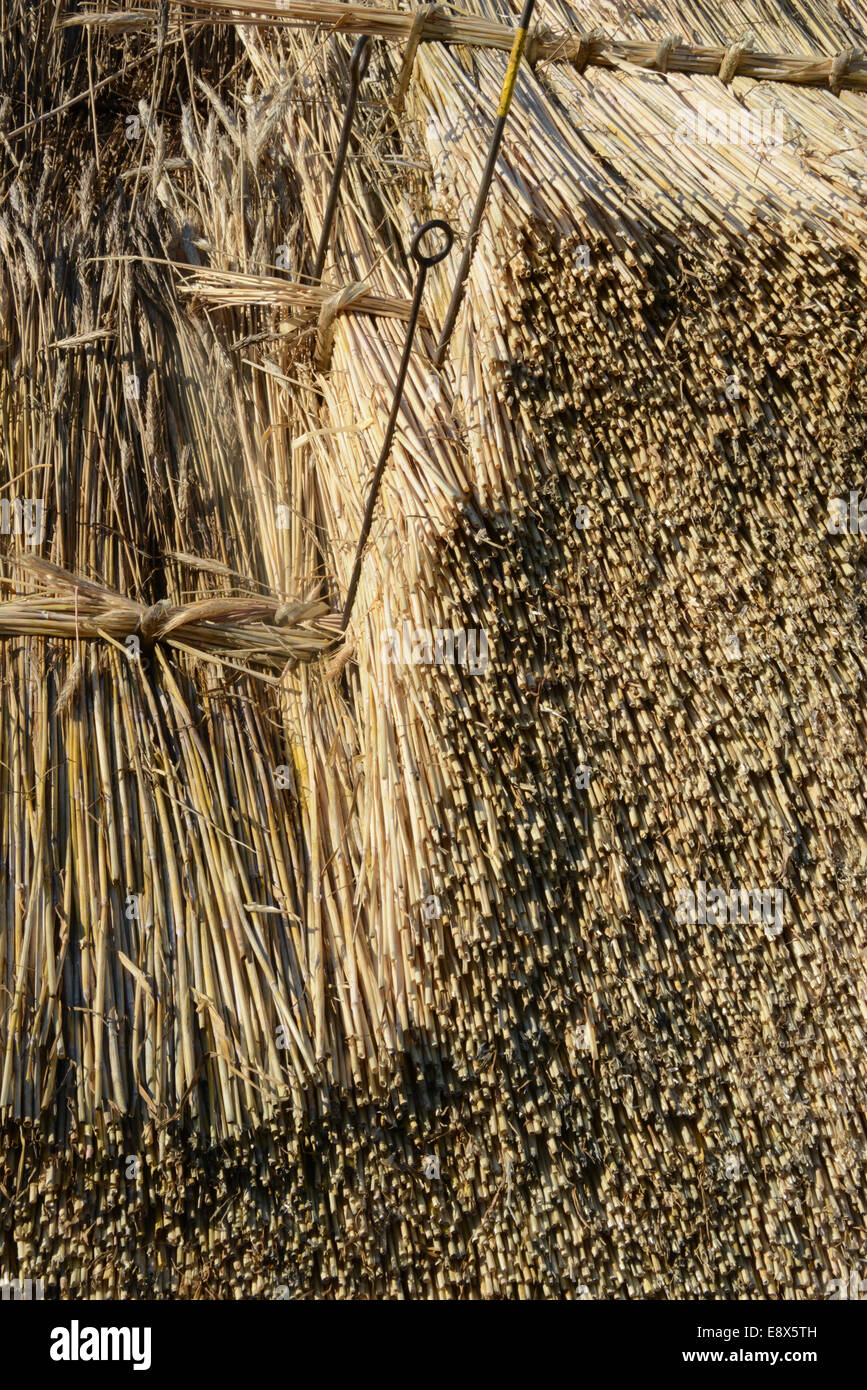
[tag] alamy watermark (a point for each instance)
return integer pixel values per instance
(713, 125)
(77, 1343)
(431, 907)
(851, 518)
(714, 907)
(849, 1287)
(22, 1290)
(23, 516)
(443, 646)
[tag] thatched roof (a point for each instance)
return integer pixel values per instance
(330, 967)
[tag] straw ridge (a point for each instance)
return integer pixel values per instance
(845, 69)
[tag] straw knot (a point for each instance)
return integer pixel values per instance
(416, 33)
(153, 621)
(325, 327)
(340, 659)
(581, 57)
(663, 51)
(839, 68)
(729, 65)
(537, 43)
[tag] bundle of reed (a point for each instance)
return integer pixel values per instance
(510, 1068)
(232, 289)
(846, 68)
(263, 631)
(162, 936)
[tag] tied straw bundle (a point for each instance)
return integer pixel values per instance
(232, 289)
(258, 630)
(845, 68)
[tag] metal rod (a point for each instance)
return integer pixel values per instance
(506, 95)
(357, 68)
(424, 264)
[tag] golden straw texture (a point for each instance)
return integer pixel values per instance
(513, 947)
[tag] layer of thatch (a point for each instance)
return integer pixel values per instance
(347, 976)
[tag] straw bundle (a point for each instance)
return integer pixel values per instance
(206, 628)
(563, 44)
(231, 289)
(402, 1005)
